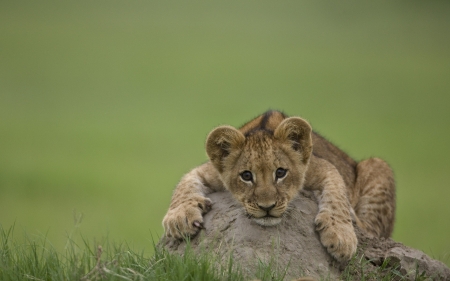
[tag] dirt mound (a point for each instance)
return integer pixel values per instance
(295, 245)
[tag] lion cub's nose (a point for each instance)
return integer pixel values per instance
(266, 208)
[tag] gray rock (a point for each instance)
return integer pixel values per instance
(294, 245)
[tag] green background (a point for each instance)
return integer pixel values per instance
(104, 105)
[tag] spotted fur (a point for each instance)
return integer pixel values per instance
(245, 162)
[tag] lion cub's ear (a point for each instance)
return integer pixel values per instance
(221, 142)
(298, 132)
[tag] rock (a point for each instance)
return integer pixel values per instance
(294, 244)
(408, 261)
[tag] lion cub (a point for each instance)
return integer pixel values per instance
(267, 161)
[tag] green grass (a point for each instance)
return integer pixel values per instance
(105, 105)
(360, 269)
(36, 259)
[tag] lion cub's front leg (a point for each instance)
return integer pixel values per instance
(333, 222)
(189, 204)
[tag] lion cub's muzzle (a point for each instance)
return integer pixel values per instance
(266, 214)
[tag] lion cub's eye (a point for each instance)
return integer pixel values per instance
(246, 176)
(280, 173)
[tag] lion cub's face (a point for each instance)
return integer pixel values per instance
(265, 176)
(264, 170)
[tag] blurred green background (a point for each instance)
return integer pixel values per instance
(104, 105)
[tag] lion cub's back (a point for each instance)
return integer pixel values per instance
(267, 121)
(346, 166)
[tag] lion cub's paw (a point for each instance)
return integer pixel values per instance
(337, 235)
(186, 219)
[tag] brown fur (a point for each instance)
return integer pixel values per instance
(346, 190)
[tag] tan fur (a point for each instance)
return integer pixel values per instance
(345, 189)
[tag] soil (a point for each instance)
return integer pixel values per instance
(294, 244)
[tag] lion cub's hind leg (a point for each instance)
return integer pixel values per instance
(375, 207)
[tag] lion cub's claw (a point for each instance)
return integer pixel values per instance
(338, 236)
(205, 206)
(198, 224)
(186, 220)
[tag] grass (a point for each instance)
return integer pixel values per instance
(105, 105)
(360, 269)
(36, 259)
